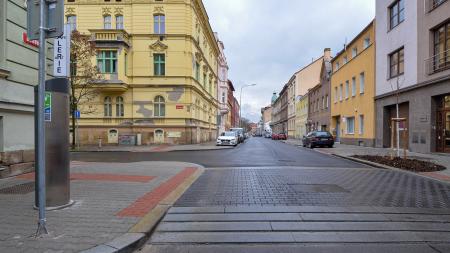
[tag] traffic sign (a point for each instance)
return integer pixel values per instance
(77, 114)
(54, 22)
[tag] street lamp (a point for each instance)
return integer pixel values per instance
(240, 102)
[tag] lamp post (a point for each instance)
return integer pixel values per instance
(240, 102)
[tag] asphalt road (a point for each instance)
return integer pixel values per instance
(255, 152)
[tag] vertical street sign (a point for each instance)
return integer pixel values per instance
(61, 54)
(48, 107)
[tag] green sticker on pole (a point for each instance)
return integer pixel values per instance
(48, 107)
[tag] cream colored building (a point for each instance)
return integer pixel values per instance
(301, 116)
(159, 60)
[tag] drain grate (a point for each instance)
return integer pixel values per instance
(318, 188)
(20, 189)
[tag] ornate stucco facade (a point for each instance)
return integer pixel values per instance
(159, 60)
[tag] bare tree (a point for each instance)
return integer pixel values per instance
(84, 76)
(396, 88)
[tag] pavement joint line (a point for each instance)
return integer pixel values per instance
(138, 235)
(382, 166)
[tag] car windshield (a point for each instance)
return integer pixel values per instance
(229, 134)
(323, 134)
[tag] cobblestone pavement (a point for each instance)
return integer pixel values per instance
(315, 186)
(101, 191)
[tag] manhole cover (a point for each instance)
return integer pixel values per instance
(18, 189)
(318, 188)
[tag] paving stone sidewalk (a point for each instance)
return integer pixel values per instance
(350, 150)
(109, 200)
(153, 148)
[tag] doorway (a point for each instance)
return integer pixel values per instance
(338, 129)
(1, 133)
(443, 125)
(159, 136)
(113, 136)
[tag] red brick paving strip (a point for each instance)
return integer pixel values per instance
(100, 177)
(160, 148)
(437, 176)
(146, 203)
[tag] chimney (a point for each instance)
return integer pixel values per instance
(327, 54)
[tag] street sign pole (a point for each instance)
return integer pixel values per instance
(42, 229)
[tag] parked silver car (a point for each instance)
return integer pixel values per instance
(228, 139)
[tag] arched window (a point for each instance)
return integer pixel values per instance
(119, 107)
(159, 22)
(107, 22)
(107, 107)
(159, 107)
(119, 22)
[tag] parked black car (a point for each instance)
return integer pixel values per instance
(318, 139)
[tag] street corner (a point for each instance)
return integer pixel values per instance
(116, 206)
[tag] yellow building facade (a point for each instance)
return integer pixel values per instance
(353, 91)
(301, 116)
(159, 62)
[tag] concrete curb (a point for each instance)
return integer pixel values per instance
(148, 151)
(382, 166)
(141, 231)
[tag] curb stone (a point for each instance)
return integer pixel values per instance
(141, 231)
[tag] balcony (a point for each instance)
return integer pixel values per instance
(438, 63)
(112, 85)
(110, 36)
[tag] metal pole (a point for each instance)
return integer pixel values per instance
(397, 122)
(41, 230)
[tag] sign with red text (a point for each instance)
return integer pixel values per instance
(26, 40)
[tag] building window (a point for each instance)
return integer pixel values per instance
(159, 64)
(441, 57)
(396, 63)
(72, 22)
(107, 22)
(126, 64)
(354, 52)
(107, 62)
(210, 86)
(345, 60)
(197, 71)
(366, 42)
(341, 87)
(362, 81)
(353, 86)
(159, 24)
(159, 107)
(205, 80)
(436, 3)
(347, 89)
(223, 97)
(397, 13)
(361, 124)
(323, 102)
(120, 112)
(327, 102)
(335, 94)
(107, 105)
(119, 22)
(336, 66)
(350, 125)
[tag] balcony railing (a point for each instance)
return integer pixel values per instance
(108, 35)
(438, 62)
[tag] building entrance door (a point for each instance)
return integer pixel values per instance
(159, 136)
(443, 126)
(338, 129)
(113, 136)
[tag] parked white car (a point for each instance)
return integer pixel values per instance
(228, 139)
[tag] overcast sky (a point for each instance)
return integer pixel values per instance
(267, 41)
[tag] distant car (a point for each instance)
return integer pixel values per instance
(274, 136)
(228, 139)
(240, 132)
(282, 136)
(318, 139)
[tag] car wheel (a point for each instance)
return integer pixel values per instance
(311, 146)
